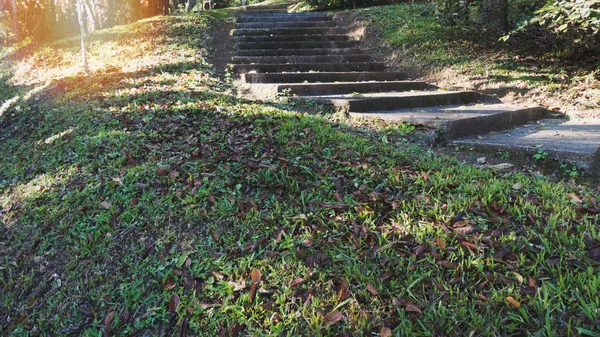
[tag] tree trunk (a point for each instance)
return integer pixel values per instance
(495, 15)
(190, 5)
(82, 30)
(15, 20)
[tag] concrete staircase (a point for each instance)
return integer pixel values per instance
(310, 58)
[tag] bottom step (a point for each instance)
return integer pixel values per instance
(576, 141)
(461, 121)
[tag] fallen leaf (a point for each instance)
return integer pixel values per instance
(162, 173)
(343, 292)
(185, 325)
(237, 286)
(594, 253)
(574, 197)
(513, 302)
(482, 297)
(106, 205)
(174, 303)
(385, 332)
(528, 290)
(333, 317)
(296, 282)
(464, 230)
(252, 293)
(387, 275)
(447, 264)
(169, 284)
(108, 319)
(218, 274)
(519, 277)
(256, 275)
(441, 242)
(372, 289)
(412, 308)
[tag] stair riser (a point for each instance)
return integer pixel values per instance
(300, 59)
(290, 38)
(329, 67)
(288, 31)
(322, 77)
(297, 52)
(485, 124)
(392, 103)
(295, 45)
(280, 18)
(290, 24)
(334, 89)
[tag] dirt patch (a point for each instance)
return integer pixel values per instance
(371, 43)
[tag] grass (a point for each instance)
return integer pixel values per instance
(525, 65)
(147, 199)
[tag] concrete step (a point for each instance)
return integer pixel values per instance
(305, 67)
(301, 59)
(456, 121)
(265, 8)
(296, 45)
(288, 31)
(286, 24)
(322, 77)
(575, 140)
(392, 101)
(271, 90)
(281, 17)
(297, 52)
(290, 38)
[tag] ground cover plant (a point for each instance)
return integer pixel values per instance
(529, 66)
(147, 199)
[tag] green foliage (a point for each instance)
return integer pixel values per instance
(578, 21)
(541, 154)
(336, 4)
(452, 12)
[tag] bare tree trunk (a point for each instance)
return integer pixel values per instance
(91, 21)
(495, 15)
(15, 21)
(82, 30)
(190, 5)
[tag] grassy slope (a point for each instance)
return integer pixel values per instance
(474, 58)
(149, 200)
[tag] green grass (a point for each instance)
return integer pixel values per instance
(524, 65)
(147, 199)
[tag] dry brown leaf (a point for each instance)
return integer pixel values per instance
(218, 275)
(387, 275)
(169, 284)
(385, 332)
(109, 318)
(106, 205)
(483, 297)
(256, 275)
(513, 302)
(333, 317)
(441, 243)
(447, 264)
(412, 308)
(296, 282)
(372, 289)
(574, 197)
(174, 303)
(162, 172)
